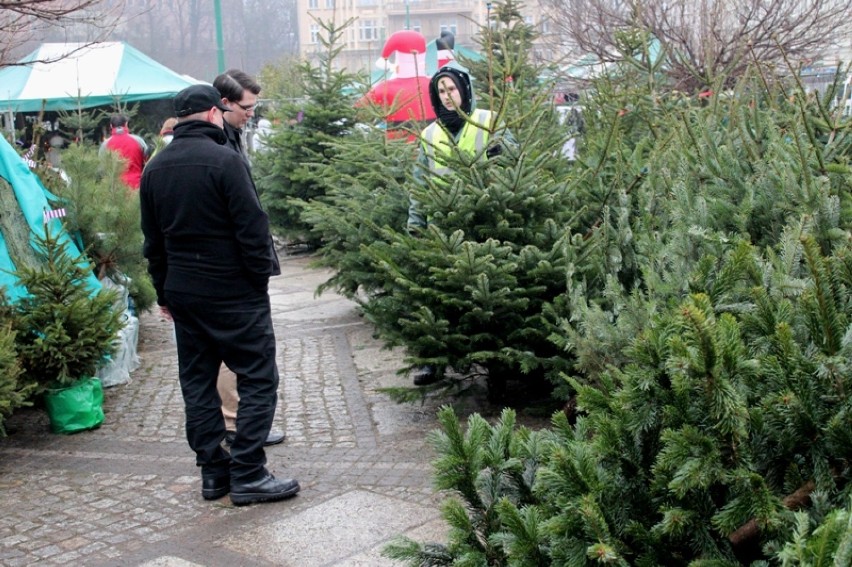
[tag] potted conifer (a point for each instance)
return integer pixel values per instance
(65, 329)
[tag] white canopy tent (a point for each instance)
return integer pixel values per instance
(67, 76)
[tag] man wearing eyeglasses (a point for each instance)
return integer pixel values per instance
(239, 93)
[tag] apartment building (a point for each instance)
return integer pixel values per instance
(374, 20)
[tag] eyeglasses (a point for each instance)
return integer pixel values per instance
(247, 107)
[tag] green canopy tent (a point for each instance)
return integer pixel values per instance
(67, 76)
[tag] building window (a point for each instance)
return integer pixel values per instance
(451, 27)
(367, 2)
(369, 30)
(313, 4)
(315, 33)
(415, 26)
(329, 4)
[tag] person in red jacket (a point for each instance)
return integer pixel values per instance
(130, 147)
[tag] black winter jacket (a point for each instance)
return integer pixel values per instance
(234, 139)
(205, 231)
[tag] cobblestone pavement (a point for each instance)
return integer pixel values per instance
(128, 493)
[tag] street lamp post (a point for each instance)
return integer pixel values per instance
(220, 44)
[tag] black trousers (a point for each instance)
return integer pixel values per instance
(236, 331)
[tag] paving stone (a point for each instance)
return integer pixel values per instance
(128, 493)
(327, 531)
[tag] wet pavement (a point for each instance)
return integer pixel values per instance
(129, 493)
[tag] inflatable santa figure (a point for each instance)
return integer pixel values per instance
(405, 95)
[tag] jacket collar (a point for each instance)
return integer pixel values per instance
(195, 128)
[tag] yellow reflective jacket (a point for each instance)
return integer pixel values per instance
(472, 140)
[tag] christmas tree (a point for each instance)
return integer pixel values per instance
(103, 214)
(301, 142)
(64, 330)
(697, 452)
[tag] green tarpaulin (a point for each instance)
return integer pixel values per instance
(65, 76)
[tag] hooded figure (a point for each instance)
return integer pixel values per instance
(450, 91)
(461, 127)
(459, 124)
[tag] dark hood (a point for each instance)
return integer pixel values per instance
(462, 77)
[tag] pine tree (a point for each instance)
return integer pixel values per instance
(469, 292)
(365, 200)
(64, 330)
(15, 391)
(285, 174)
(104, 216)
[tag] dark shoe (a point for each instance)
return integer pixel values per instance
(267, 489)
(425, 375)
(215, 487)
(274, 438)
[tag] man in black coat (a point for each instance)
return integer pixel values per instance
(210, 255)
(239, 93)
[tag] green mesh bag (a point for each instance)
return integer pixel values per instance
(77, 407)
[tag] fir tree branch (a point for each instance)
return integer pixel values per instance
(750, 530)
(800, 106)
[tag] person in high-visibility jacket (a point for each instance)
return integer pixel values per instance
(459, 123)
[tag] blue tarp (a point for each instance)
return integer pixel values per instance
(32, 199)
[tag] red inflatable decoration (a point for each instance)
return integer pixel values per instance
(405, 95)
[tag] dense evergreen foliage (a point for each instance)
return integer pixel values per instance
(15, 391)
(285, 172)
(104, 215)
(64, 331)
(686, 283)
(710, 334)
(733, 411)
(366, 198)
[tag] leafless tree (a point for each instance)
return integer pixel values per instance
(705, 41)
(275, 32)
(22, 22)
(182, 33)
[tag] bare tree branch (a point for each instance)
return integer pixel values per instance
(24, 22)
(705, 40)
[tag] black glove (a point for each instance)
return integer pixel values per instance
(494, 151)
